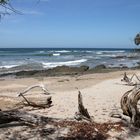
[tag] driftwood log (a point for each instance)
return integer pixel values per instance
(82, 111)
(22, 116)
(129, 105)
(35, 86)
(129, 81)
(45, 103)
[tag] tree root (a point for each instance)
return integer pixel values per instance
(129, 81)
(129, 103)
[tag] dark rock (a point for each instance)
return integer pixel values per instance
(124, 67)
(85, 68)
(102, 66)
(26, 73)
(60, 70)
(119, 57)
(66, 70)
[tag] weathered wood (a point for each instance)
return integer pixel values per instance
(82, 111)
(124, 104)
(125, 78)
(46, 103)
(35, 86)
(130, 81)
(129, 106)
(42, 104)
(22, 116)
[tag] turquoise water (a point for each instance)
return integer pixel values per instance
(38, 58)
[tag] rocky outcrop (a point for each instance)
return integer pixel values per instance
(60, 70)
(102, 66)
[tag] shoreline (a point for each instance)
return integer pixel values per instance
(62, 71)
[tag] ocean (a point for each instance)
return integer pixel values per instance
(40, 58)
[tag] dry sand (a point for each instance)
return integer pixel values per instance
(101, 94)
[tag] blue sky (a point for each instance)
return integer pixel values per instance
(71, 23)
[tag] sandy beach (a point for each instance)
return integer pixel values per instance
(101, 95)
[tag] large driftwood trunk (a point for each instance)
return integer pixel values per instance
(22, 116)
(129, 105)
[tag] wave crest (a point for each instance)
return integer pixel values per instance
(67, 63)
(56, 54)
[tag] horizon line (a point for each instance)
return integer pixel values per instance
(68, 48)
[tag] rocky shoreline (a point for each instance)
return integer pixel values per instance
(62, 70)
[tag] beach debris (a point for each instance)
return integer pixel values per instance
(22, 116)
(82, 113)
(35, 86)
(130, 106)
(131, 81)
(54, 129)
(115, 114)
(45, 103)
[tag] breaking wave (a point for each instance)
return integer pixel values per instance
(67, 63)
(63, 51)
(8, 66)
(56, 54)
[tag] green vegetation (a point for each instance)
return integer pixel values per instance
(3, 1)
(137, 39)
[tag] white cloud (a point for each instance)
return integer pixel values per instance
(32, 12)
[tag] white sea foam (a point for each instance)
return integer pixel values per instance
(56, 54)
(41, 51)
(108, 55)
(115, 51)
(100, 52)
(8, 66)
(67, 63)
(84, 51)
(89, 51)
(63, 51)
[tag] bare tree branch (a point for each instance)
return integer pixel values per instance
(7, 8)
